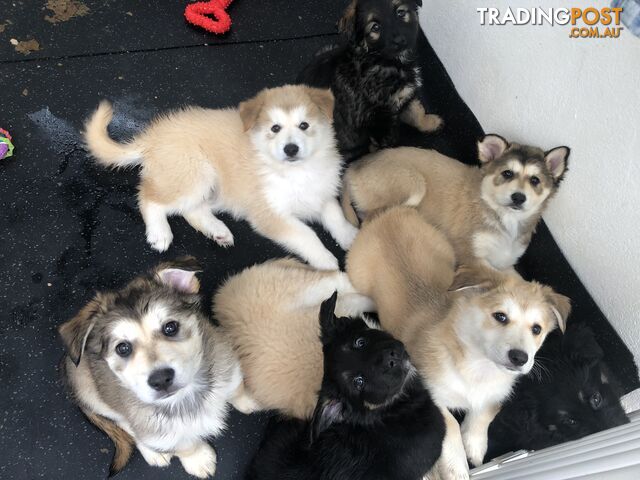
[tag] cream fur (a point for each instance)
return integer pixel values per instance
(270, 313)
(197, 161)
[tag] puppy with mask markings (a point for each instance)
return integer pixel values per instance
(470, 332)
(272, 161)
(488, 213)
(374, 419)
(145, 366)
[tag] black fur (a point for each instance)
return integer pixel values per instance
(566, 401)
(366, 74)
(399, 440)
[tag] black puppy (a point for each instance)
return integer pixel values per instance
(573, 396)
(373, 76)
(374, 419)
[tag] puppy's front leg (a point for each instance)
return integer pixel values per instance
(415, 115)
(452, 464)
(153, 458)
(297, 237)
(199, 461)
(338, 226)
(475, 433)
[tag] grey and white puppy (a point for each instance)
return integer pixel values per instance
(145, 366)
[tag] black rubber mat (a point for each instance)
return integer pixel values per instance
(69, 228)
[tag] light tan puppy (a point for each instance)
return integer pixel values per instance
(272, 161)
(487, 213)
(270, 313)
(469, 333)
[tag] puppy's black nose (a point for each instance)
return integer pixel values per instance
(291, 149)
(392, 358)
(518, 198)
(161, 379)
(518, 357)
(400, 41)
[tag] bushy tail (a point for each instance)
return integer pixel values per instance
(121, 440)
(105, 150)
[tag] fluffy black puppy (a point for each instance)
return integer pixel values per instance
(373, 76)
(374, 419)
(573, 396)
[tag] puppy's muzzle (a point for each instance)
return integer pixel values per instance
(291, 150)
(161, 379)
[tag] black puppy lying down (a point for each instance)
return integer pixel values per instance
(374, 419)
(573, 396)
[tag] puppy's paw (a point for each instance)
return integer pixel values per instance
(200, 462)
(475, 447)
(324, 261)
(245, 404)
(159, 239)
(155, 459)
(431, 123)
(224, 238)
(346, 236)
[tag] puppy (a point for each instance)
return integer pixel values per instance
(572, 395)
(273, 162)
(374, 78)
(488, 214)
(374, 419)
(270, 314)
(145, 366)
(470, 333)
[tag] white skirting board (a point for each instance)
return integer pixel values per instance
(610, 455)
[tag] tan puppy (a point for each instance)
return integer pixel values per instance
(273, 161)
(470, 333)
(270, 313)
(487, 213)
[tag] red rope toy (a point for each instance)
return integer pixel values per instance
(196, 14)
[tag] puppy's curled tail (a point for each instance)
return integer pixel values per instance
(122, 441)
(105, 150)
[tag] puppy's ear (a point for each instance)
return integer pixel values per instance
(561, 308)
(580, 345)
(328, 320)
(557, 160)
(179, 274)
(323, 99)
(249, 110)
(75, 332)
(419, 3)
(473, 278)
(347, 24)
(327, 413)
(491, 147)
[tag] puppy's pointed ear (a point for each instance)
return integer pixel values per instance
(180, 274)
(347, 24)
(419, 3)
(328, 320)
(323, 99)
(75, 332)
(328, 412)
(557, 160)
(561, 308)
(473, 278)
(491, 147)
(249, 110)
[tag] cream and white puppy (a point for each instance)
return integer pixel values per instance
(470, 332)
(145, 366)
(488, 214)
(272, 161)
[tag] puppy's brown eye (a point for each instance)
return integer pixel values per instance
(358, 382)
(535, 181)
(359, 342)
(303, 126)
(276, 128)
(124, 349)
(536, 329)
(507, 174)
(375, 28)
(500, 317)
(170, 329)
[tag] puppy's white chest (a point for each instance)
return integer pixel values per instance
(500, 249)
(301, 192)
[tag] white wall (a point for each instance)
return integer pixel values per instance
(534, 84)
